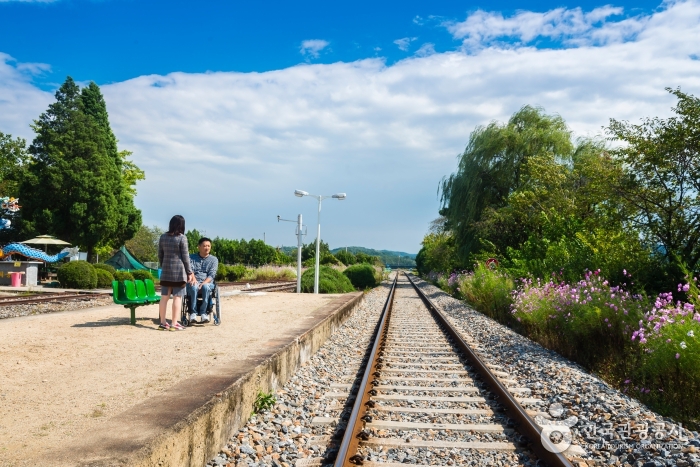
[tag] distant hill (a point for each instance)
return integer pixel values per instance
(387, 256)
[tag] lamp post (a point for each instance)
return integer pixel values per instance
(300, 232)
(338, 196)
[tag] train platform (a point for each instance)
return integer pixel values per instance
(86, 387)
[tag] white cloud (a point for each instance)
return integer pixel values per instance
(383, 134)
(312, 47)
(568, 26)
(425, 50)
(404, 42)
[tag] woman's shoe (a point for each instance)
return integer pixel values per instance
(164, 327)
(177, 327)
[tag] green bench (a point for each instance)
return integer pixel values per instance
(133, 294)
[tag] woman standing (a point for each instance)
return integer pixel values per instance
(173, 254)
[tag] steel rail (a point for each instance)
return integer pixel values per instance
(347, 453)
(524, 424)
(7, 301)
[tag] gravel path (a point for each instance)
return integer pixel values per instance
(612, 428)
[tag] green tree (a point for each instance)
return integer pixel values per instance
(73, 187)
(144, 245)
(309, 250)
(346, 257)
(13, 158)
(193, 237)
(491, 167)
(661, 181)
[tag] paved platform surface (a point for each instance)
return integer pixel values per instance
(67, 377)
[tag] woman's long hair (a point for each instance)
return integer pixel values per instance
(177, 225)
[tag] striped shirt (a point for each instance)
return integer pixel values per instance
(204, 267)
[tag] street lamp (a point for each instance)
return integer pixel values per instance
(338, 196)
(300, 231)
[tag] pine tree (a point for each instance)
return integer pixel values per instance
(74, 187)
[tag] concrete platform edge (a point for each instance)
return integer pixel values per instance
(197, 438)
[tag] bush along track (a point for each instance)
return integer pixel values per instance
(612, 427)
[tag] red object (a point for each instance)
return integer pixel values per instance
(16, 279)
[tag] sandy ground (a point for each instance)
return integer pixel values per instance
(64, 374)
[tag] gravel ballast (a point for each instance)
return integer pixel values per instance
(609, 426)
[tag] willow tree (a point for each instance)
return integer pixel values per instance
(491, 168)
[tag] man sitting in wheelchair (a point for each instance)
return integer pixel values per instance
(204, 267)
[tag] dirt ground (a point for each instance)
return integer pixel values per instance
(64, 374)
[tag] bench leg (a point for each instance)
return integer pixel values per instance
(133, 314)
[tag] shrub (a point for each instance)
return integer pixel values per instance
(221, 272)
(142, 274)
(362, 276)
(122, 276)
(105, 267)
(104, 278)
(77, 275)
(329, 259)
(235, 272)
(346, 257)
(329, 281)
(488, 291)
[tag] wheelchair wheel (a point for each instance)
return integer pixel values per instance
(185, 312)
(217, 314)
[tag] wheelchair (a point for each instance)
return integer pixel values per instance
(213, 310)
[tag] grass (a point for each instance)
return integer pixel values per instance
(263, 401)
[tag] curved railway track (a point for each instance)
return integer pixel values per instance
(425, 388)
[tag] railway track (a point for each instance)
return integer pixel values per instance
(425, 389)
(47, 297)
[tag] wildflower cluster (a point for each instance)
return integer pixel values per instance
(668, 330)
(591, 301)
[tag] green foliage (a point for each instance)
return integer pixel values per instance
(330, 260)
(491, 168)
(264, 401)
(73, 186)
(221, 272)
(77, 275)
(105, 267)
(345, 257)
(144, 245)
(661, 181)
(438, 253)
(235, 272)
(122, 276)
(13, 158)
(309, 250)
(488, 291)
(104, 278)
(142, 274)
(329, 281)
(253, 252)
(362, 276)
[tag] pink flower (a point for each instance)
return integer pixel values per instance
(678, 356)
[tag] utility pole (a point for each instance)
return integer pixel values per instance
(300, 232)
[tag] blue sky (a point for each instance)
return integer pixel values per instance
(252, 100)
(113, 40)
